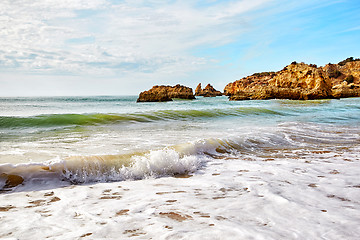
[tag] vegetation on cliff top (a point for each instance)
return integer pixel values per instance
(350, 59)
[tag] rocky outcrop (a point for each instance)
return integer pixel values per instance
(166, 93)
(300, 81)
(345, 78)
(208, 91)
(198, 90)
(11, 180)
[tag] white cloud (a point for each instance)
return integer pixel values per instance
(99, 37)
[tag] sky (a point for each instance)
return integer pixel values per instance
(123, 47)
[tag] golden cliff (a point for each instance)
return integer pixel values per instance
(300, 81)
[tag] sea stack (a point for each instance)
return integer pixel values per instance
(300, 81)
(208, 91)
(166, 93)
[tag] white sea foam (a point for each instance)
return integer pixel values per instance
(309, 196)
(162, 163)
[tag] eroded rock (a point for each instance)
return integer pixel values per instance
(299, 81)
(11, 180)
(166, 93)
(208, 91)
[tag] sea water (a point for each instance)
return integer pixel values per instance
(258, 166)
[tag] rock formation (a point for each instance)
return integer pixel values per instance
(300, 81)
(11, 180)
(208, 91)
(198, 90)
(166, 93)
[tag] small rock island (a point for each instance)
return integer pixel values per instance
(208, 91)
(166, 93)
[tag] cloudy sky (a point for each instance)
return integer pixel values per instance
(122, 47)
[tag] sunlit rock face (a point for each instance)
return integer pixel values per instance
(208, 91)
(166, 93)
(300, 81)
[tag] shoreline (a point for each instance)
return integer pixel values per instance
(249, 199)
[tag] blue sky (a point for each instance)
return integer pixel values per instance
(120, 47)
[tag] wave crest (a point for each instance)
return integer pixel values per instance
(54, 120)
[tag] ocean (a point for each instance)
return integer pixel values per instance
(108, 167)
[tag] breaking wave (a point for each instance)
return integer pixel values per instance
(290, 139)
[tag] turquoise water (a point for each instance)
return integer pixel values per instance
(66, 112)
(44, 130)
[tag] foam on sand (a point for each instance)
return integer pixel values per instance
(309, 196)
